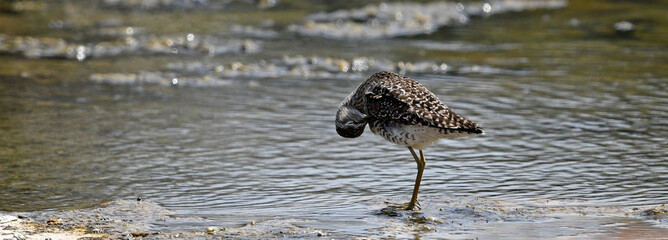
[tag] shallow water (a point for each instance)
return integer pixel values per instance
(575, 113)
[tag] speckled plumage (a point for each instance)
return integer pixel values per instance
(402, 111)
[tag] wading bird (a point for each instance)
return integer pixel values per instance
(403, 112)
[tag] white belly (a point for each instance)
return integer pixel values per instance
(415, 136)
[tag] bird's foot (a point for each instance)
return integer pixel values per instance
(413, 206)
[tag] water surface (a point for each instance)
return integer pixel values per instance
(576, 115)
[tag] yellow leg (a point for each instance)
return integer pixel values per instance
(420, 166)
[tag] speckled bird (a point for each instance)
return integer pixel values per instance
(403, 112)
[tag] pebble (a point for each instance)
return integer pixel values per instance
(54, 221)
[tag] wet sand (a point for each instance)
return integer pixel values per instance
(454, 218)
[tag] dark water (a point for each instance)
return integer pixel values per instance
(576, 114)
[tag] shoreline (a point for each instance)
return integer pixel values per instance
(124, 219)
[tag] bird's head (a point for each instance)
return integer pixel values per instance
(350, 122)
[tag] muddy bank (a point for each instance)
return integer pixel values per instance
(117, 219)
(133, 220)
(455, 218)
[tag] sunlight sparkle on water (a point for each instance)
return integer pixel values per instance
(487, 8)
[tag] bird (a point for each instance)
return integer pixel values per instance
(403, 112)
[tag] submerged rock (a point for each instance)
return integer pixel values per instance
(387, 20)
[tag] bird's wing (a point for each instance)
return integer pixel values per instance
(384, 106)
(403, 100)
